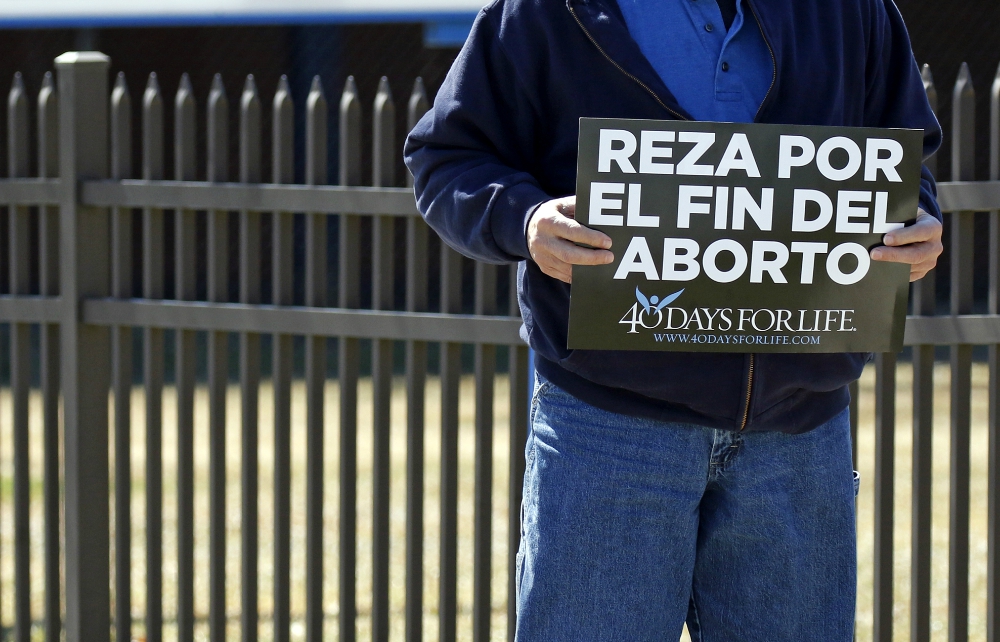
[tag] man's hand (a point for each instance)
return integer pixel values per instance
(918, 244)
(552, 237)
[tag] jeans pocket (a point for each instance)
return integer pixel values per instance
(857, 483)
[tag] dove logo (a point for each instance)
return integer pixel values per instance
(647, 309)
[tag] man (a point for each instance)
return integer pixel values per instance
(715, 489)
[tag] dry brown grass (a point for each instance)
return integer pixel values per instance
(364, 490)
(903, 472)
(431, 480)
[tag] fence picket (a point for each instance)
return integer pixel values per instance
(48, 276)
(250, 238)
(153, 359)
(349, 294)
(121, 371)
(485, 373)
(18, 158)
(885, 431)
(416, 107)
(217, 262)
(383, 175)
(185, 271)
(963, 168)
(416, 382)
(450, 375)
(315, 367)
(517, 372)
(993, 483)
(923, 447)
(282, 148)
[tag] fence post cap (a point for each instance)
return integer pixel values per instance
(82, 57)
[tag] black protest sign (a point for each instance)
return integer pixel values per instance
(742, 237)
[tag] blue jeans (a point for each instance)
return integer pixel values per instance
(630, 527)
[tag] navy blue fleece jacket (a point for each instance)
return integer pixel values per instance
(501, 138)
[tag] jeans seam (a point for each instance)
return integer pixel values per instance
(698, 633)
(713, 466)
(540, 389)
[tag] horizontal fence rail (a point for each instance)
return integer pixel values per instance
(197, 295)
(956, 196)
(323, 322)
(234, 196)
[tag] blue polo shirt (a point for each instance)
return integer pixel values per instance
(713, 73)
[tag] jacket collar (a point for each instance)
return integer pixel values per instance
(603, 23)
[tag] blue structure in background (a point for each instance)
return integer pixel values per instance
(447, 32)
(442, 28)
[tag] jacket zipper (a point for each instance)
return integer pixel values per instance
(774, 75)
(774, 60)
(746, 404)
(622, 69)
(774, 79)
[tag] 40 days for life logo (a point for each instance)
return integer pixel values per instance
(728, 326)
(648, 312)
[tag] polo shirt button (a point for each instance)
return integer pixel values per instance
(725, 66)
(709, 27)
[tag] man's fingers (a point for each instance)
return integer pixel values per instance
(570, 230)
(925, 229)
(913, 253)
(564, 251)
(555, 240)
(918, 244)
(575, 255)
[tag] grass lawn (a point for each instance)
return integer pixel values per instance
(431, 481)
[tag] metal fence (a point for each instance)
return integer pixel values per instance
(77, 288)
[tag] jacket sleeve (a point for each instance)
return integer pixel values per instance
(470, 155)
(895, 92)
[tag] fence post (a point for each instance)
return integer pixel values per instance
(83, 147)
